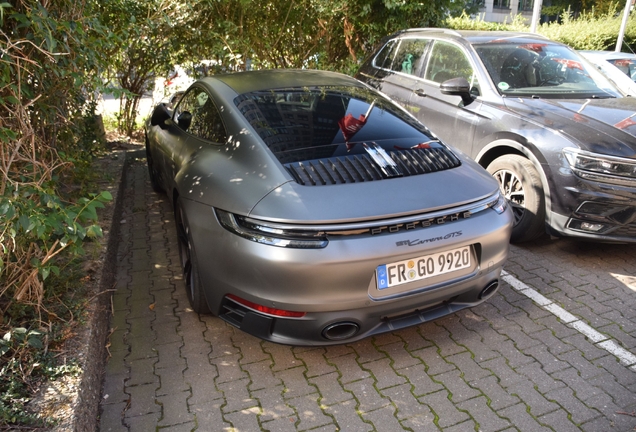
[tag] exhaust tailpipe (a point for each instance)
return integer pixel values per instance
(489, 290)
(340, 331)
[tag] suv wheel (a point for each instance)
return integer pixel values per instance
(520, 183)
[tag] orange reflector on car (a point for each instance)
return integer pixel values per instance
(265, 309)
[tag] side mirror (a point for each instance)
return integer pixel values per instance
(184, 120)
(159, 116)
(457, 87)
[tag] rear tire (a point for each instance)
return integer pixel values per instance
(188, 258)
(152, 172)
(520, 183)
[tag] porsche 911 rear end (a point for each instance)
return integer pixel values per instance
(375, 224)
(311, 210)
(332, 283)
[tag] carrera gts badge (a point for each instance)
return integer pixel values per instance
(428, 240)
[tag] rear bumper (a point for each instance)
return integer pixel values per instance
(331, 328)
(337, 284)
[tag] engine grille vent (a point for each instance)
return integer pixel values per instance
(362, 168)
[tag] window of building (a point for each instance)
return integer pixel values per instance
(501, 4)
(526, 5)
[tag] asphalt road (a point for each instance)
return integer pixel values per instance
(553, 350)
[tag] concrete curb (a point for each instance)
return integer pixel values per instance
(94, 339)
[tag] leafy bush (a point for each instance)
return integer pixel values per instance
(466, 22)
(589, 31)
(49, 71)
(38, 226)
(45, 90)
(26, 363)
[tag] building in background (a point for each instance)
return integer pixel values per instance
(505, 10)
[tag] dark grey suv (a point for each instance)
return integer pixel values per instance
(555, 133)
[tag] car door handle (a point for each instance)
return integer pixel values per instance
(420, 92)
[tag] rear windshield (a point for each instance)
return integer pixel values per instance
(299, 124)
(542, 70)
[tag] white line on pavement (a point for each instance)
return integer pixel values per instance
(598, 338)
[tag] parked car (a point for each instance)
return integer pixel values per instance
(182, 76)
(312, 210)
(551, 128)
(618, 67)
(178, 79)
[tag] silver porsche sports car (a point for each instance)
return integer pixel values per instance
(312, 210)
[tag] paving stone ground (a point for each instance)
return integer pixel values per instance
(507, 365)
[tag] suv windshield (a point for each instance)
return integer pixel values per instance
(542, 70)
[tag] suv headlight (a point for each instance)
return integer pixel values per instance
(601, 168)
(262, 232)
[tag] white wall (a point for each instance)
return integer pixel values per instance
(490, 14)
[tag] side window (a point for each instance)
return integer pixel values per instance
(409, 56)
(185, 109)
(197, 114)
(385, 56)
(449, 61)
(628, 67)
(207, 124)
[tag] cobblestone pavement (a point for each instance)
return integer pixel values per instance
(515, 363)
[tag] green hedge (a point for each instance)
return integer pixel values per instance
(586, 32)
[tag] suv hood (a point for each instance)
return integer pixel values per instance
(605, 126)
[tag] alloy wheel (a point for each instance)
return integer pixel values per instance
(184, 252)
(512, 188)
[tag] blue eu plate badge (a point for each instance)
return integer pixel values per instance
(383, 281)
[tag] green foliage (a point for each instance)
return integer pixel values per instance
(24, 363)
(36, 221)
(588, 31)
(151, 36)
(37, 227)
(466, 22)
(147, 39)
(555, 8)
(52, 57)
(50, 62)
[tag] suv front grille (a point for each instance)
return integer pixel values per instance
(625, 231)
(362, 168)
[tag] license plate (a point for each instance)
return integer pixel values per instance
(411, 270)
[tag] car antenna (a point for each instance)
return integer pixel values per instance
(366, 116)
(350, 125)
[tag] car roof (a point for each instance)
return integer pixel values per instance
(245, 82)
(609, 55)
(479, 36)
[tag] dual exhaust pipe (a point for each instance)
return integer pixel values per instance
(341, 331)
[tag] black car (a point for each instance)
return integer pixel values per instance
(556, 134)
